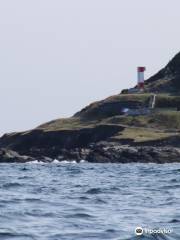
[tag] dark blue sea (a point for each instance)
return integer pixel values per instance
(70, 201)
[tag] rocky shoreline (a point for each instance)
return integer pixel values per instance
(102, 152)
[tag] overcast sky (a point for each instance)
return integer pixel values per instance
(56, 56)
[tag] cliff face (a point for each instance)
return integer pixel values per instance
(167, 79)
(49, 143)
(101, 132)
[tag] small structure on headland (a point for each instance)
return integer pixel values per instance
(140, 87)
(140, 72)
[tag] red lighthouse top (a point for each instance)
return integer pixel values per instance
(141, 69)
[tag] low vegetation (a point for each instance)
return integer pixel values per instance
(165, 120)
(162, 122)
(67, 124)
(141, 134)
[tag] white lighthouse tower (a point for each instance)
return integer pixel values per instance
(140, 72)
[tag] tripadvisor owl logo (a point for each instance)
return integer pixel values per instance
(139, 231)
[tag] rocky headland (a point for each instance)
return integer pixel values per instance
(102, 132)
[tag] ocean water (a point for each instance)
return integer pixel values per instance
(69, 201)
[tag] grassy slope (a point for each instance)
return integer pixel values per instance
(162, 120)
(67, 124)
(160, 124)
(141, 134)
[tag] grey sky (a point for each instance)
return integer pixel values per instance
(56, 56)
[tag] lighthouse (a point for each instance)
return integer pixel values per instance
(140, 73)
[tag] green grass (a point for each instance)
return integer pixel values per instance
(141, 134)
(166, 119)
(139, 121)
(67, 124)
(160, 120)
(142, 97)
(162, 100)
(166, 101)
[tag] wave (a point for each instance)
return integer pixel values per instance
(56, 161)
(80, 215)
(94, 191)
(36, 162)
(11, 185)
(13, 235)
(175, 221)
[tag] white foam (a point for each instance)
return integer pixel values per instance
(83, 161)
(55, 161)
(64, 162)
(36, 162)
(73, 162)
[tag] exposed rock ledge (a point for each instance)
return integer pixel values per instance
(103, 153)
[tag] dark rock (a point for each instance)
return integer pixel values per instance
(128, 154)
(38, 142)
(104, 153)
(9, 156)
